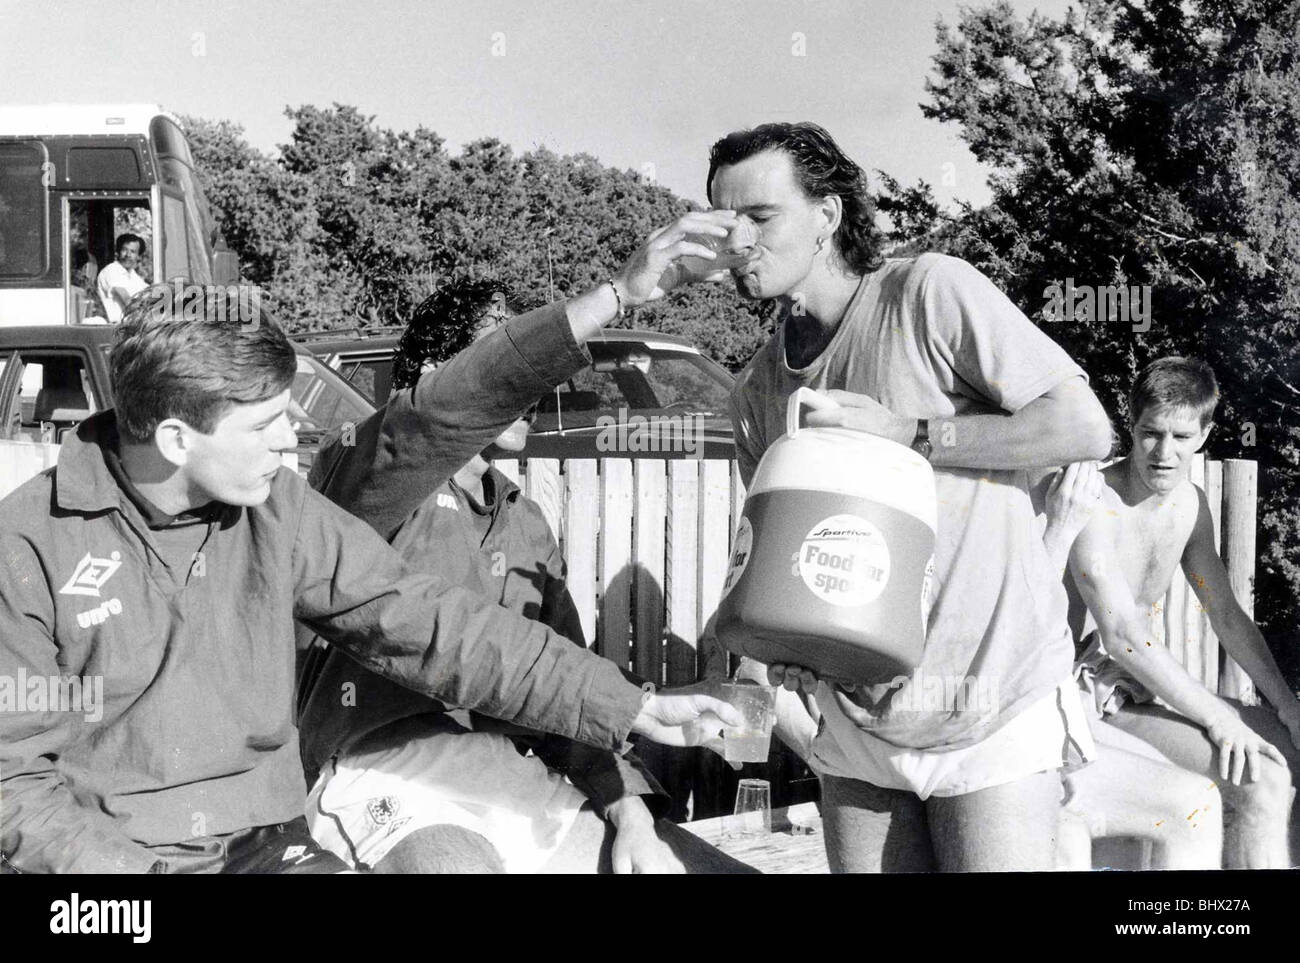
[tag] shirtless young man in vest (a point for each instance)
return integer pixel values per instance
(1150, 520)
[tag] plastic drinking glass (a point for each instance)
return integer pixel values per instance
(752, 741)
(753, 812)
(734, 251)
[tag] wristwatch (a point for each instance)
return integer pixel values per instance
(921, 443)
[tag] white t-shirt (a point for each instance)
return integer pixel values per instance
(116, 276)
(932, 337)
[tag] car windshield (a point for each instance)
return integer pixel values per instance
(646, 377)
(329, 403)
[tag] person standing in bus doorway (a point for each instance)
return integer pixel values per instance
(119, 283)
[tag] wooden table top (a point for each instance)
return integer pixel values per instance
(795, 844)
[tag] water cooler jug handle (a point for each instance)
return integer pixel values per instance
(801, 397)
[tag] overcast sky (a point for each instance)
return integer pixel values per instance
(633, 82)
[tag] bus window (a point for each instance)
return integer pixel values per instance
(175, 239)
(24, 227)
(196, 224)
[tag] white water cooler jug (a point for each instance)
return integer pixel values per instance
(833, 554)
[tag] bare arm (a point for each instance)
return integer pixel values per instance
(1067, 498)
(1125, 635)
(1237, 630)
(1125, 631)
(1065, 424)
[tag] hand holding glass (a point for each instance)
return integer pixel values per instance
(733, 251)
(752, 741)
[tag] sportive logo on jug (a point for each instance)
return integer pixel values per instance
(844, 560)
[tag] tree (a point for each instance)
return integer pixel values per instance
(352, 225)
(1150, 145)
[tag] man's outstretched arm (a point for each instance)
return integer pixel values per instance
(1235, 629)
(353, 589)
(424, 434)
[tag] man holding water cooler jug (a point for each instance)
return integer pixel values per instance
(940, 747)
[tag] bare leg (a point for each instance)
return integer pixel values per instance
(874, 830)
(1073, 842)
(1012, 827)
(1255, 813)
(1130, 791)
(442, 849)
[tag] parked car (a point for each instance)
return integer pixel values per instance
(54, 376)
(361, 357)
(645, 395)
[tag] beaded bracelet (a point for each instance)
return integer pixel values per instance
(617, 297)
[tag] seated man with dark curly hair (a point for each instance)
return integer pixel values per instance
(407, 784)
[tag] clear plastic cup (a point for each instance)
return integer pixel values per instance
(752, 741)
(733, 251)
(753, 813)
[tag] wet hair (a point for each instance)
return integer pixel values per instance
(124, 239)
(821, 168)
(172, 361)
(443, 325)
(1175, 382)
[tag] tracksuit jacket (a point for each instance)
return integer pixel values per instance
(504, 552)
(515, 562)
(197, 736)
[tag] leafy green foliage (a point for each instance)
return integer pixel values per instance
(1148, 143)
(352, 225)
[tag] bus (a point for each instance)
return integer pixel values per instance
(73, 178)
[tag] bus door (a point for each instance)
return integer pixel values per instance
(92, 224)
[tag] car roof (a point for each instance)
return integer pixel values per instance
(61, 335)
(349, 345)
(68, 335)
(357, 339)
(642, 336)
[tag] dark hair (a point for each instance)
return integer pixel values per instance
(1175, 382)
(171, 361)
(443, 325)
(124, 239)
(821, 169)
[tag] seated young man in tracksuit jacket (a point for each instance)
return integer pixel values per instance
(405, 784)
(162, 564)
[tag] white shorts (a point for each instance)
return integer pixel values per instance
(1051, 733)
(365, 803)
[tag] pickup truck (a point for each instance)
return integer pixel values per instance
(52, 376)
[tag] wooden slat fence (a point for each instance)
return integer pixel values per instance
(654, 581)
(646, 542)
